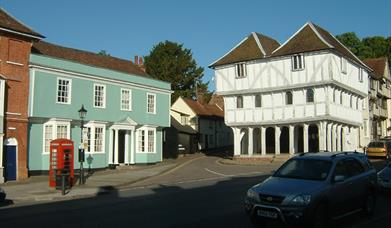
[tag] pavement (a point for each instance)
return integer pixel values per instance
(36, 188)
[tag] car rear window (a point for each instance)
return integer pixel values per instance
(375, 144)
(309, 169)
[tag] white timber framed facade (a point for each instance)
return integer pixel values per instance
(305, 95)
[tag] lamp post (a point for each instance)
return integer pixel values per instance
(82, 115)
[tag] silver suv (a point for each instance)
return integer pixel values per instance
(312, 188)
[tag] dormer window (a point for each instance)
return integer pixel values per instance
(298, 62)
(344, 66)
(241, 70)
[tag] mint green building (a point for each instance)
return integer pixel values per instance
(127, 109)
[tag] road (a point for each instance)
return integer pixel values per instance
(211, 197)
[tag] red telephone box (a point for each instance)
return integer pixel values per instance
(61, 162)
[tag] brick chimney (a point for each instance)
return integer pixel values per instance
(138, 60)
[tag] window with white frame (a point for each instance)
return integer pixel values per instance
(126, 100)
(239, 102)
(184, 119)
(99, 96)
(298, 62)
(146, 140)
(151, 103)
(95, 137)
(55, 130)
(241, 70)
(151, 141)
(288, 98)
(310, 95)
(344, 64)
(64, 91)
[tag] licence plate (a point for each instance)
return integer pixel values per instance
(267, 214)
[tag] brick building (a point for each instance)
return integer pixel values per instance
(15, 45)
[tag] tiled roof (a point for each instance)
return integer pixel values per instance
(217, 100)
(88, 58)
(206, 110)
(312, 37)
(378, 66)
(255, 46)
(9, 22)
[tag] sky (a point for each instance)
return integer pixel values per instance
(210, 28)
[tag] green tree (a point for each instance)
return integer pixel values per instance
(368, 47)
(351, 41)
(171, 62)
(104, 53)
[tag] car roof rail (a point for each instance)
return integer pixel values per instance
(344, 153)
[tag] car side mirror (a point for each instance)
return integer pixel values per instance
(339, 178)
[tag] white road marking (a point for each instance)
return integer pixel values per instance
(220, 174)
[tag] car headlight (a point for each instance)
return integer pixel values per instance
(251, 194)
(301, 200)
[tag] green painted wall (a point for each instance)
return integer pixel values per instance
(45, 95)
(43, 106)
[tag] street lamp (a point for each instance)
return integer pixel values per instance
(82, 115)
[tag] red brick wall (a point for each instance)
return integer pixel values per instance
(14, 57)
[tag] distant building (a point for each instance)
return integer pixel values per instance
(377, 122)
(207, 120)
(304, 95)
(15, 45)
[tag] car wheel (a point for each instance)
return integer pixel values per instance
(370, 204)
(320, 218)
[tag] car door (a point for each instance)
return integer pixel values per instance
(359, 182)
(339, 191)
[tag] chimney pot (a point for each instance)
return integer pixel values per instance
(136, 59)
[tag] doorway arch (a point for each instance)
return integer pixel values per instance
(284, 140)
(270, 141)
(313, 138)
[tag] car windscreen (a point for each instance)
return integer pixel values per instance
(375, 144)
(309, 169)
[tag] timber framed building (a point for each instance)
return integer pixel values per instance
(304, 95)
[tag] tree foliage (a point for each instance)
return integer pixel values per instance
(171, 62)
(368, 47)
(104, 53)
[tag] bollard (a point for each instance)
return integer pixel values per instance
(63, 184)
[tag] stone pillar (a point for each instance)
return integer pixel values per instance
(305, 138)
(329, 138)
(127, 147)
(263, 140)
(236, 132)
(250, 141)
(116, 147)
(334, 138)
(322, 136)
(277, 134)
(111, 147)
(132, 146)
(345, 144)
(339, 139)
(291, 139)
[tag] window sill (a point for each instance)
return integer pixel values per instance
(295, 70)
(145, 152)
(95, 153)
(100, 107)
(14, 63)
